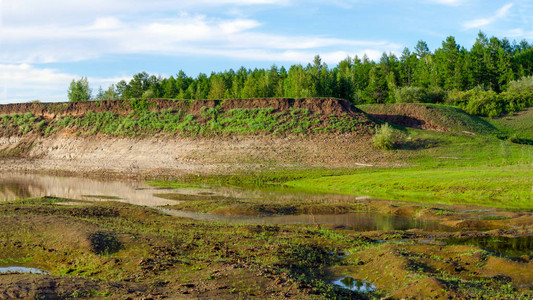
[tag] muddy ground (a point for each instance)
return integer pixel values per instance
(122, 251)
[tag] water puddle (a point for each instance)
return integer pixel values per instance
(353, 221)
(24, 270)
(354, 284)
(511, 247)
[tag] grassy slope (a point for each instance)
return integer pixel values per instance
(445, 116)
(453, 168)
(444, 167)
(210, 122)
(519, 124)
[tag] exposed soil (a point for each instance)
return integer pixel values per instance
(167, 257)
(408, 115)
(176, 156)
(68, 151)
(325, 106)
(19, 286)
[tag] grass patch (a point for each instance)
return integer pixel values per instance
(445, 116)
(209, 122)
(506, 187)
(516, 126)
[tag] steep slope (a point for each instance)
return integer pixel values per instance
(165, 137)
(430, 117)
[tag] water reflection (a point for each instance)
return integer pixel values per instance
(16, 186)
(19, 186)
(12, 189)
(512, 247)
(16, 269)
(353, 221)
(354, 284)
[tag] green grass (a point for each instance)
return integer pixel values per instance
(506, 187)
(519, 125)
(210, 122)
(449, 117)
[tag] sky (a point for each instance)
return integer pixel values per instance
(44, 45)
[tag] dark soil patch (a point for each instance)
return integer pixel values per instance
(104, 242)
(409, 121)
(19, 286)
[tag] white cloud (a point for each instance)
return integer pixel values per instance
(24, 82)
(33, 32)
(478, 23)
(184, 34)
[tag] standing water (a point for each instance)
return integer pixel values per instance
(18, 186)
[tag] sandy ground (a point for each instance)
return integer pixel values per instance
(178, 156)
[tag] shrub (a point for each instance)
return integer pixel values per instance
(410, 94)
(385, 137)
(485, 104)
(524, 84)
(435, 95)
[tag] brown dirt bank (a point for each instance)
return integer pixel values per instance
(326, 106)
(73, 150)
(177, 156)
(408, 115)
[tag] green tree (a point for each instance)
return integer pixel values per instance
(79, 90)
(445, 62)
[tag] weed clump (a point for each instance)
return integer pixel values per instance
(386, 138)
(104, 243)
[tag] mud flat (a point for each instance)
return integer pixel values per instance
(286, 247)
(119, 250)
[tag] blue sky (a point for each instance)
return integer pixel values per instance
(46, 44)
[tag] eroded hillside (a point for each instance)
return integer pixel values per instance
(173, 137)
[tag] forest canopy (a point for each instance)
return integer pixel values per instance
(493, 77)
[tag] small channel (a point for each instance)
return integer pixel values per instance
(23, 270)
(352, 221)
(354, 284)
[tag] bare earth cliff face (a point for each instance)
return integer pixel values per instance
(173, 155)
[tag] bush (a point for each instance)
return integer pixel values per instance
(385, 137)
(410, 94)
(414, 94)
(487, 104)
(435, 95)
(524, 84)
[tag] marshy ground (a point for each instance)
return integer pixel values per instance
(111, 249)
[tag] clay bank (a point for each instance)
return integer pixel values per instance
(165, 137)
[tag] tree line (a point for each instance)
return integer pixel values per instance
(492, 64)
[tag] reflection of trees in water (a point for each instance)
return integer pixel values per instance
(510, 247)
(11, 190)
(356, 285)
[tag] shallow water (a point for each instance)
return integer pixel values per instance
(354, 284)
(511, 247)
(18, 186)
(26, 270)
(353, 221)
